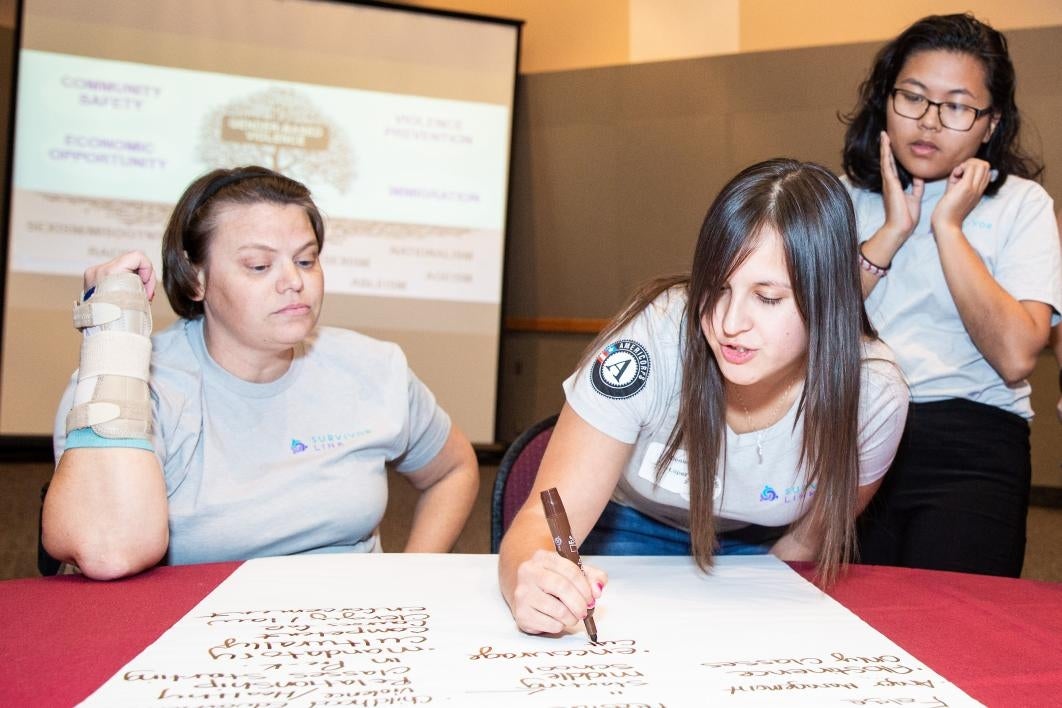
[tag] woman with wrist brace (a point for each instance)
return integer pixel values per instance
(244, 429)
(960, 258)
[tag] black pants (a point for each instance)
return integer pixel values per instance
(956, 496)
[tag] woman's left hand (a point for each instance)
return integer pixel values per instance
(966, 185)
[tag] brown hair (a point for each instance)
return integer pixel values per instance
(812, 213)
(191, 226)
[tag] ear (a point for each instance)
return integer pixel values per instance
(200, 276)
(993, 121)
(200, 290)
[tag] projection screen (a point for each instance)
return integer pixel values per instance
(399, 122)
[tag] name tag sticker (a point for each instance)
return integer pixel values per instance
(676, 478)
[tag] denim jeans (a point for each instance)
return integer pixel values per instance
(623, 531)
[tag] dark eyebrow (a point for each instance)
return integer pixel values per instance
(918, 84)
(774, 284)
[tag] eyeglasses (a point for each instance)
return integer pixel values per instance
(954, 116)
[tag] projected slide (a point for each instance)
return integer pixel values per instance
(413, 188)
(398, 119)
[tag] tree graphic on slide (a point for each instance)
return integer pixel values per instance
(280, 129)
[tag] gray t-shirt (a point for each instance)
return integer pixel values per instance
(630, 392)
(296, 465)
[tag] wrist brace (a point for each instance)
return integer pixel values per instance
(112, 382)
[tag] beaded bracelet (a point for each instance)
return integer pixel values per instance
(871, 267)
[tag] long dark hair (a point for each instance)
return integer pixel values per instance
(811, 211)
(953, 33)
(191, 226)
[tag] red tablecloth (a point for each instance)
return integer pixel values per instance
(1000, 640)
(65, 636)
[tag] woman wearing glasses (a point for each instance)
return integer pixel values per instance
(960, 266)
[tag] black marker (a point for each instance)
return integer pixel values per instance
(564, 541)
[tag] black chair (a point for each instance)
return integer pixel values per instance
(516, 476)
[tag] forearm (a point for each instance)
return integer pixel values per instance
(879, 249)
(798, 544)
(106, 512)
(528, 533)
(1001, 328)
(106, 508)
(442, 510)
(532, 576)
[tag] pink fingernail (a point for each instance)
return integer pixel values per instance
(591, 605)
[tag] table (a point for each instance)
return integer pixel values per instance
(998, 639)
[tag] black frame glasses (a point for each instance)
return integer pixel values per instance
(963, 109)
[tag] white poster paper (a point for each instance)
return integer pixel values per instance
(385, 630)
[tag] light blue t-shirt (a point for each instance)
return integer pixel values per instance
(296, 465)
(1016, 236)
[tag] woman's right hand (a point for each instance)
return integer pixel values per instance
(902, 209)
(552, 593)
(130, 262)
(544, 591)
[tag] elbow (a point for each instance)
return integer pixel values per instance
(104, 567)
(466, 473)
(1016, 367)
(459, 486)
(472, 473)
(467, 488)
(113, 564)
(105, 559)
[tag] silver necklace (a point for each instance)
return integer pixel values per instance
(776, 414)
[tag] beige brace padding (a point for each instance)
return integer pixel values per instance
(112, 419)
(117, 354)
(115, 293)
(119, 408)
(112, 394)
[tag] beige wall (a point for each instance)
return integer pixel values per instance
(771, 24)
(558, 34)
(578, 34)
(565, 34)
(661, 30)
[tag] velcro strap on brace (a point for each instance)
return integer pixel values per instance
(112, 419)
(107, 307)
(88, 314)
(115, 354)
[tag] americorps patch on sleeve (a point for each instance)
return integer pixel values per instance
(621, 369)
